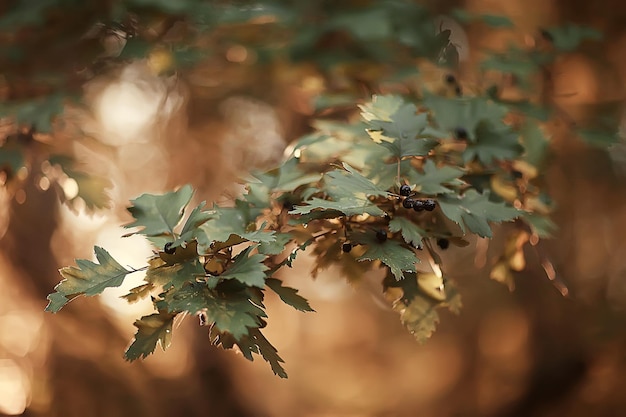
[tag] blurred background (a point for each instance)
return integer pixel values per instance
(530, 352)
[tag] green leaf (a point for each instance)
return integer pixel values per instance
(190, 229)
(452, 113)
(151, 330)
(411, 234)
(404, 147)
(229, 221)
(493, 143)
(232, 312)
(159, 214)
(255, 342)
(405, 123)
(288, 295)
(348, 206)
(475, 211)
(37, 112)
(542, 225)
(277, 246)
(381, 108)
(247, 269)
(535, 144)
(176, 275)
(436, 180)
(340, 184)
(88, 278)
(568, 37)
(390, 252)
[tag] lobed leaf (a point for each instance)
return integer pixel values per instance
(89, 278)
(151, 330)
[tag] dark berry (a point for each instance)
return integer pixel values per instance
(450, 79)
(418, 205)
(517, 174)
(458, 91)
(405, 190)
(288, 205)
(408, 203)
(169, 249)
(346, 247)
(429, 205)
(460, 133)
(443, 243)
(381, 235)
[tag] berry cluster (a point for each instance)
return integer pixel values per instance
(415, 204)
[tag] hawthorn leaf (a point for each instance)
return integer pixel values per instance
(348, 206)
(404, 147)
(224, 223)
(568, 37)
(232, 312)
(88, 278)
(405, 123)
(159, 214)
(411, 234)
(151, 330)
(341, 184)
(247, 269)
(176, 275)
(196, 218)
(452, 113)
(475, 211)
(436, 180)
(288, 295)
(277, 246)
(381, 108)
(389, 252)
(493, 143)
(535, 144)
(268, 352)
(419, 316)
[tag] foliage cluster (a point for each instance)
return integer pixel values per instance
(424, 165)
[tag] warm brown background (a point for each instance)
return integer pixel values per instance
(526, 353)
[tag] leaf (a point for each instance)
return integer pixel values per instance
(432, 181)
(493, 143)
(88, 279)
(405, 123)
(419, 316)
(176, 275)
(404, 147)
(277, 246)
(348, 206)
(152, 329)
(535, 144)
(232, 312)
(475, 211)
(390, 252)
(411, 234)
(226, 222)
(194, 221)
(340, 184)
(269, 353)
(159, 214)
(381, 108)
(288, 295)
(541, 225)
(452, 113)
(568, 37)
(138, 293)
(248, 270)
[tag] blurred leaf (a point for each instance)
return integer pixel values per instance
(419, 316)
(569, 37)
(288, 295)
(348, 206)
(176, 275)
(475, 211)
(381, 108)
(277, 246)
(535, 144)
(151, 330)
(89, 278)
(493, 143)
(436, 180)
